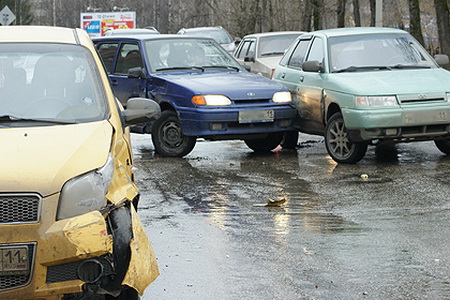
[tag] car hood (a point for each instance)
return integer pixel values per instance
(395, 82)
(235, 85)
(41, 159)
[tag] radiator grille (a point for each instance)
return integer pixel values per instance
(19, 208)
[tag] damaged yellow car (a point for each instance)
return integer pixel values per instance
(68, 222)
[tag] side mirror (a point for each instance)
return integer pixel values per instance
(136, 72)
(249, 59)
(141, 110)
(441, 59)
(312, 66)
(237, 40)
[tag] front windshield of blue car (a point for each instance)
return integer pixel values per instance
(382, 51)
(189, 53)
(49, 83)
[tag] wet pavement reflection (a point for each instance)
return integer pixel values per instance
(227, 223)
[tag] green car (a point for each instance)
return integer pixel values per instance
(362, 86)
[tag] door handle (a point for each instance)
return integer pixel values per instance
(302, 78)
(114, 82)
(282, 75)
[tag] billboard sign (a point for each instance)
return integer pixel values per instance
(96, 24)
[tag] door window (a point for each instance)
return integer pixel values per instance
(299, 54)
(107, 52)
(316, 52)
(129, 57)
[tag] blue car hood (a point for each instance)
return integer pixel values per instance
(393, 82)
(235, 85)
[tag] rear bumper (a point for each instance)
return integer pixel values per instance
(214, 122)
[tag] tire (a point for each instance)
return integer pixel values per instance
(443, 146)
(290, 140)
(127, 293)
(339, 147)
(270, 142)
(168, 138)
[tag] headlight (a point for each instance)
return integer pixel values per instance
(211, 100)
(282, 97)
(376, 100)
(86, 192)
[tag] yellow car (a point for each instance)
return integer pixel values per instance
(68, 223)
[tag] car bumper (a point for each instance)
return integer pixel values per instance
(57, 249)
(223, 122)
(413, 123)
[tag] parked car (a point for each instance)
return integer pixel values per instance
(202, 91)
(217, 33)
(131, 31)
(360, 86)
(261, 52)
(68, 226)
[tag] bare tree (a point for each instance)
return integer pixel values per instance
(414, 21)
(356, 13)
(341, 13)
(443, 25)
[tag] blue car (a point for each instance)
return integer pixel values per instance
(201, 89)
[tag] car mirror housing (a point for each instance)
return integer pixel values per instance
(312, 66)
(441, 59)
(140, 110)
(249, 59)
(137, 72)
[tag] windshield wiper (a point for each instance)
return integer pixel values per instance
(272, 53)
(10, 118)
(222, 67)
(181, 68)
(402, 66)
(360, 68)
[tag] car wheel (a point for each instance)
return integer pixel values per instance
(270, 142)
(290, 140)
(127, 293)
(168, 138)
(443, 146)
(339, 147)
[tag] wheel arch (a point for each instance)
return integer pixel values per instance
(331, 110)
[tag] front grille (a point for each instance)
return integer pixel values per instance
(8, 282)
(69, 271)
(251, 101)
(19, 208)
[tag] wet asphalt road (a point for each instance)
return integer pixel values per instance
(338, 235)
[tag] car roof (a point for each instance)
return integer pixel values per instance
(273, 33)
(202, 28)
(132, 31)
(42, 34)
(147, 37)
(354, 31)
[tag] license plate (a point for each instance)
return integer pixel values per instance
(14, 260)
(426, 117)
(252, 116)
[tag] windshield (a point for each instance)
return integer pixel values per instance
(56, 83)
(171, 54)
(275, 45)
(385, 51)
(220, 36)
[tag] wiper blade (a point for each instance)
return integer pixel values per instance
(362, 68)
(222, 67)
(181, 68)
(402, 66)
(272, 53)
(10, 118)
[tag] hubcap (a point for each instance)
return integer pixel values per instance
(338, 141)
(171, 134)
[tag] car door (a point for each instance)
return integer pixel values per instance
(310, 91)
(245, 55)
(125, 87)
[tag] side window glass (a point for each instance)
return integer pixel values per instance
(251, 49)
(107, 52)
(129, 57)
(316, 52)
(299, 54)
(244, 49)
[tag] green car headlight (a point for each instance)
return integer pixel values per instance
(86, 193)
(282, 97)
(448, 97)
(376, 100)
